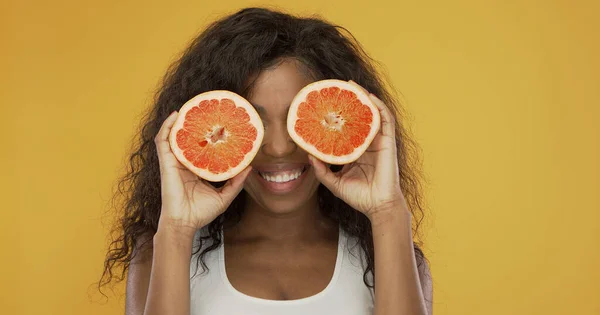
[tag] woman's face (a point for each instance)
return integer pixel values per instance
(282, 181)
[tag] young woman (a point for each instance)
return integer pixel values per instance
(331, 242)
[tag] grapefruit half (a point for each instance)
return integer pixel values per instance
(216, 135)
(333, 120)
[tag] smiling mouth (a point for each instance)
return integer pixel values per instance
(282, 176)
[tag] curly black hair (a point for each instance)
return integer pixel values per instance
(224, 56)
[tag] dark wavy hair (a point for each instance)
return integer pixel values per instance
(225, 56)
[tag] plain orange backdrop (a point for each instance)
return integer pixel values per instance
(504, 98)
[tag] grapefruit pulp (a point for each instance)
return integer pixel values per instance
(216, 135)
(333, 120)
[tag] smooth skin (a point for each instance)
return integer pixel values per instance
(260, 249)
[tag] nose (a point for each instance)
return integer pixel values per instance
(277, 142)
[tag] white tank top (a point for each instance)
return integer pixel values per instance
(211, 293)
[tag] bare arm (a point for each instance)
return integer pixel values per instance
(400, 286)
(138, 278)
(159, 282)
(159, 277)
(169, 288)
(371, 185)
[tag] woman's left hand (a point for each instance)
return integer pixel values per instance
(370, 184)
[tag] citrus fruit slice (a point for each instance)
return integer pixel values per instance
(333, 120)
(216, 135)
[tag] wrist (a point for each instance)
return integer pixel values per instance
(176, 225)
(392, 214)
(176, 234)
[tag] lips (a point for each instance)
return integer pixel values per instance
(278, 167)
(281, 178)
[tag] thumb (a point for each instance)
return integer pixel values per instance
(325, 175)
(233, 187)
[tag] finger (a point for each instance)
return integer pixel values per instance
(162, 138)
(325, 175)
(387, 119)
(233, 187)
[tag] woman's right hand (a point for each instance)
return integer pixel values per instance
(189, 202)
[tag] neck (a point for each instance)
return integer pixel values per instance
(303, 224)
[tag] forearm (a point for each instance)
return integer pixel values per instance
(397, 286)
(169, 289)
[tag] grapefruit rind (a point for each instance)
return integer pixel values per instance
(292, 119)
(248, 157)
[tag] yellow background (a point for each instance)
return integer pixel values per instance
(504, 97)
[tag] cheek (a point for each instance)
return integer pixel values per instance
(251, 185)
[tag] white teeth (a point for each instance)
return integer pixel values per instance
(282, 177)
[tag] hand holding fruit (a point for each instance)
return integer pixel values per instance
(188, 202)
(371, 183)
